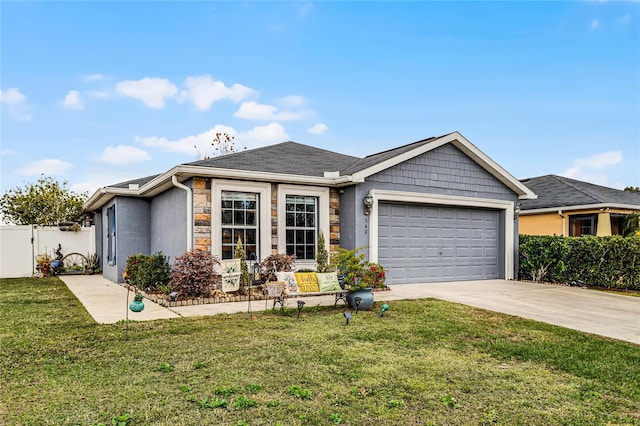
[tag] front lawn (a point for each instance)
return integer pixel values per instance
(426, 362)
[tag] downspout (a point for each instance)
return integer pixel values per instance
(563, 220)
(174, 181)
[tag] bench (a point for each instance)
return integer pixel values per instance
(278, 291)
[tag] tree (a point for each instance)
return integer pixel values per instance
(223, 144)
(46, 202)
(632, 189)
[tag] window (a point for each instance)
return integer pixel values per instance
(111, 235)
(301, 218)
(582, 225)
(239, 219)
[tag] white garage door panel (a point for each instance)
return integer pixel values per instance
(431, 243)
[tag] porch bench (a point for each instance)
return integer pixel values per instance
(280, 295)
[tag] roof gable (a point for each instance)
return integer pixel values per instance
(558, 192)
(377, 162)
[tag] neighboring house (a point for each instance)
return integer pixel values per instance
(571, 207)
(434, 210)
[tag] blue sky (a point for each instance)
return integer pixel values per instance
(100, 92)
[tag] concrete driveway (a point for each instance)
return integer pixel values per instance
(595, 312)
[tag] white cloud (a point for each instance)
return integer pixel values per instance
(595, 24)
(292, 101)
(50, 166)
(12, 96)
(93, 77)
(624, 20)
(263, 135)
(200, 144)
(590, 169)
(16, 103)
(7, 152)
(318, 129)
(73, 101)
(98, 94)
(192, 145)
(151, 91)
(123, 154)
(255, 111)
(304, 9)
(203, 91)
(87, 187)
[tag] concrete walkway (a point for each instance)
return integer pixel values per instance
(595, 312)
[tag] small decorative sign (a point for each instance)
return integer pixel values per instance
(230, 275)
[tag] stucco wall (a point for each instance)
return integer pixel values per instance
(169, 223)
(133, 234)
(541, 224)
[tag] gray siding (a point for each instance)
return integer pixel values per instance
(445, 171)
(169, 223)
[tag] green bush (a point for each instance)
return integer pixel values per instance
(612, 262)
(148, 272)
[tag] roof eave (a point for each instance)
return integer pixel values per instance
(526, 212)
(183, 172)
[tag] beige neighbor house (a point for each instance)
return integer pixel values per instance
(574, 208)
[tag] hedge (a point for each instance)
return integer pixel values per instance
(612, 262)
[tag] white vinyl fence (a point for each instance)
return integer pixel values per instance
(17, 253)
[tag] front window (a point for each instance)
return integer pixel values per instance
(582, 225)
(111, 235)
(301, 218)
(239, 220)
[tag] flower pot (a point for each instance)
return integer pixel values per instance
(366, 296)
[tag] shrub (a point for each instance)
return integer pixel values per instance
(193, 273)
(277, 263)
(133, 265)
(352, 265)
(375, 275)
(322, 257)
(245, 278)
(595, 261)
(148, 272)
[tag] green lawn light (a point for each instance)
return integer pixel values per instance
(384, 309)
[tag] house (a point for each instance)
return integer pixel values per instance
(571, 207)
(434, 210)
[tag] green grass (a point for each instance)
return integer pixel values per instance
(426, 362)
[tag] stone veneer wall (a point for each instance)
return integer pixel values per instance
(202, 213)
(334, 220)
(203, 218)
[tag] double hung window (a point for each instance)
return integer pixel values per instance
(301, 221)
(239, 219)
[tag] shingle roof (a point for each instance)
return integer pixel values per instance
(373, 159)
(140, 181)
(558, 191)
(287, 158)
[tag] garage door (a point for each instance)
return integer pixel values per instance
(419, 243)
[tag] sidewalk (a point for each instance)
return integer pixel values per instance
(591, 311)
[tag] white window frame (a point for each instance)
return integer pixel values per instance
(264, 214)
(448, 200)
(322, 194)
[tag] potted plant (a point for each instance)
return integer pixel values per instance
(353, 267)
